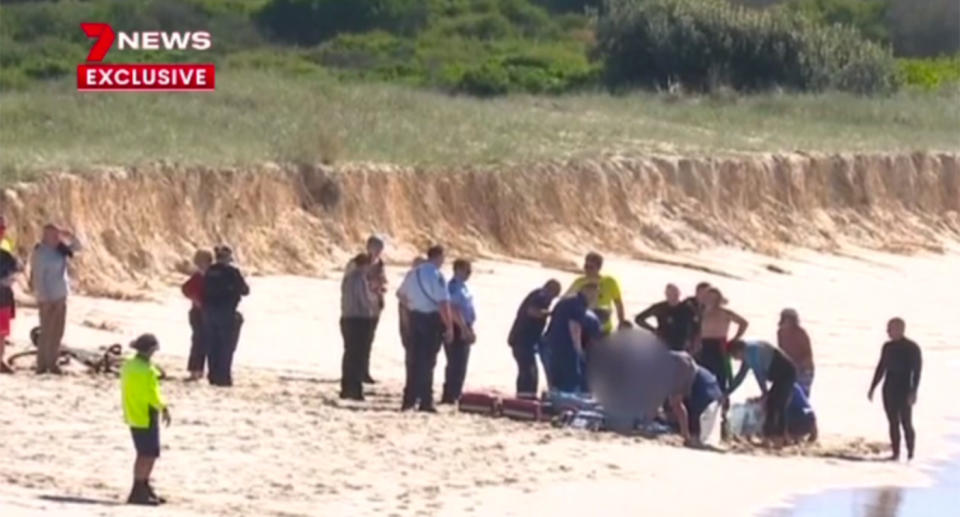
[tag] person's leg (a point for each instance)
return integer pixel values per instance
(42, 344)
(235, 325)
(350, 381)
(526, 360)
(198, 353)
(418, 334)
(906, 419)
(217, 343)
(58, 321)
(368, 350)
(431, 347)
(409, 363)
(453, 387)
(5, 317)
(891, 407)
(449, 372)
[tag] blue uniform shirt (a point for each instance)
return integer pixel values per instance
(462, 300)
(425, 289)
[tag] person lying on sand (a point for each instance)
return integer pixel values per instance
(714, 332)
(632, 374)
(525, 335)
(771, 365)
(900, 365)
(675, 320)
(793, 339)
(608, 295)
(142, 402)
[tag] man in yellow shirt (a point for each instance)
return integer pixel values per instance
(142, 401)
(608, 298)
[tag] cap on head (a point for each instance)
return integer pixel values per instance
(145, 343)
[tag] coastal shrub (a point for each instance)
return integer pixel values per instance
(548, 71)
(308, 22)
(929, 74)
(703, 44)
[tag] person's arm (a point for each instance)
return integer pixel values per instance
(242, 284)
(680, 412)
(741, 324)
(75, 244)
(576, 335)
(918, 367)
(574, 288)
(878, 373)
(618, 302)
(806, 349)
(641, 319)
(761, 376)
(739, 377)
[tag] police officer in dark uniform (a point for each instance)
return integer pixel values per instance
(223, 286)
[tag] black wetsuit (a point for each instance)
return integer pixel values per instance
(675, 323)
(899, 366)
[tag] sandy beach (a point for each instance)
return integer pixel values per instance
(281, 443)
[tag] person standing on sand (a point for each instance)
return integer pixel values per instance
(696, 303)
(900, 365)
(424, 292)
(9, 267)
(377, 280)
(715, 329)
(564, 345)
(223, 286)
(525, 335)
(768, 364)
(793, 340)
(608, 295)
(359, 308)
(142, 404)
(675, 320)
(193, 289)
(50, 283)
(403, 311)
(464, 316)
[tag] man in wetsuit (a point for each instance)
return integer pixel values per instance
(675, 320)
(900, 365)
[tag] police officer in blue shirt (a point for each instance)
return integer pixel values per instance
(425, 294)
(464, 316)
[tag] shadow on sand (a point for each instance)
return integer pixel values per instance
(67, 499)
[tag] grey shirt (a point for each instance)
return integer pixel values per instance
(634, 374)
(49, 278)
(356, 298)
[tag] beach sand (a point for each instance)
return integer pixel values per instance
(281, 443)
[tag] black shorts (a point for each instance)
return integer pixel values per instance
(147, 440)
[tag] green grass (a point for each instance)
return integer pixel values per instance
(264, 115)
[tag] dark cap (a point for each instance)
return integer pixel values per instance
(145, 343)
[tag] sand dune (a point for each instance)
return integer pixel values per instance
(143, 222)
(281, 443)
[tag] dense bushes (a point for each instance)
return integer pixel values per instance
(929, 74)
(707, 43)
(308, 22)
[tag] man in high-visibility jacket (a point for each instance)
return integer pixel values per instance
(142, 402)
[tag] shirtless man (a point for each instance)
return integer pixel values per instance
(714, 336)
(793, 339)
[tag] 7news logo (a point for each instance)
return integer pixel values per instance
(94, 75)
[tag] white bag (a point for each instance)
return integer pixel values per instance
(710, 422)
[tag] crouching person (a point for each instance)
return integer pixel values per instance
(142, 405)
(801, 420)
(704, 406)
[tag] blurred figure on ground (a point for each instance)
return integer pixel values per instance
(424, 293)
(770, 365)
(900, 365)
(563, 347)
(50, 283)
(793, 339)
(632, 375)
(715, 329)
(359, 309)
(193, 289)
(675, 320)
(608, 296)
(525, 335)
(223, 286)
(9, 268)
(143, 405)
(377, 280)
(464, 316)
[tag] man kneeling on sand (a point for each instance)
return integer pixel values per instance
(142, 401)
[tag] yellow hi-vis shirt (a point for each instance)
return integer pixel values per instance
(608, 292)
(141, 392)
